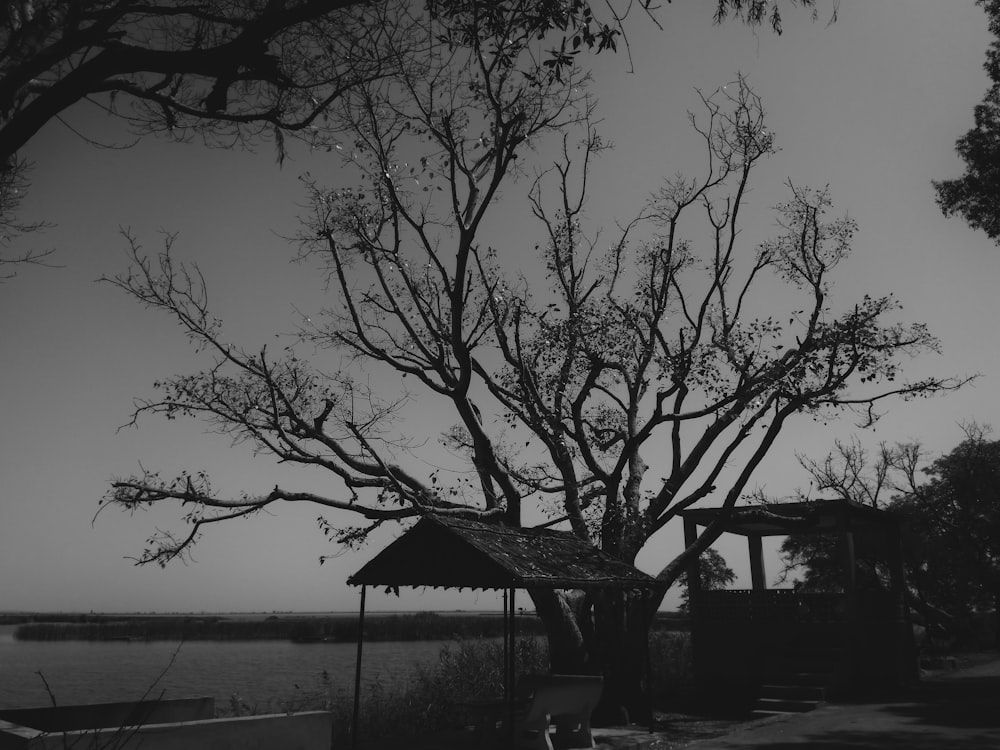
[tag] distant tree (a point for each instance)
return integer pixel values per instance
(715, 574)
(955, 516)
(975, 196)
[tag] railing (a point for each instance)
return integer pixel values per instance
(771, 605)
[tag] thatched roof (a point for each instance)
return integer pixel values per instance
(456, 553)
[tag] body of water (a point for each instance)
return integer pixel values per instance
(266, 674)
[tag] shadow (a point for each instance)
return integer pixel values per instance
(967, 702)
(957, 712)
(910, 740)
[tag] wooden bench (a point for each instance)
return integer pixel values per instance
(551, 711)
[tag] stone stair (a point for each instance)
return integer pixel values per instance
(801, 681)
(789, 698)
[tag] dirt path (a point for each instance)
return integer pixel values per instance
(957, 710)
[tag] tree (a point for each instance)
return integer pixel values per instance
(273, 64)
(557, 390)
(975, 196)
(955, 516)
(236, 71)
(715, 574)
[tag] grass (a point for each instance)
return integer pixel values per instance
(429, 702)
(434, 699)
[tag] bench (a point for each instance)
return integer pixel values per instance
(558, 702)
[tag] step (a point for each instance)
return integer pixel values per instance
(763, 714)
(794, 692)
(785, 705)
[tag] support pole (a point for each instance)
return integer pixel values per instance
(511, 669)
(506, 646)
(694, 567)
(758, 581)
(355, 729)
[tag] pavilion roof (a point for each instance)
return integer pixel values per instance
(819, 516)
(459, 553)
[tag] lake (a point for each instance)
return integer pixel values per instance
(260, 673)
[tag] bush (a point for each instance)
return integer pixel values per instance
(672, 662)
(430, 702)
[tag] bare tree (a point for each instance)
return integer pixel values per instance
(13, 183)
(271, 64)
(655, 348)
(238, 71)
(850, 473)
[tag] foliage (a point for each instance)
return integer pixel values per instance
(975, 196)
(465, 671)
(431, 701)
(715, 574)
(955, 519)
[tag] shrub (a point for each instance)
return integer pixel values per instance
(431, 701)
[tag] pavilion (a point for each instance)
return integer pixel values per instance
(852, 640)
(453, 552)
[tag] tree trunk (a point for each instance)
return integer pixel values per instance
(604, 633)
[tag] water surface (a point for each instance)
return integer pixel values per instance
(266, 674)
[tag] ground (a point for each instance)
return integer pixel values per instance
(954, 709)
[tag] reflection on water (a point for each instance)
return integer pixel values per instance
(262, 673)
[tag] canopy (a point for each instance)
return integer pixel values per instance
(458, 553)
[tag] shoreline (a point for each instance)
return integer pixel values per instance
(314, 628)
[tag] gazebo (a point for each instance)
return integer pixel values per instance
(450, 552)
(850, 641)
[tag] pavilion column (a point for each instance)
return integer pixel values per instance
(897, 570)
(856, 656)
(356, 721)
(694, 566)
(907, 658)
(757, 579)
(850, 568)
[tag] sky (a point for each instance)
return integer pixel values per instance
(870, 105)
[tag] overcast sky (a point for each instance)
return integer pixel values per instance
(870, 105)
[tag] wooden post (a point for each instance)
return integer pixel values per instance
(694, 567)
(355, 729)
(511, 669)
(758, 581)
(850, 568)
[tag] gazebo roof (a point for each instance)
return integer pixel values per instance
(458, 553)
(817, 516)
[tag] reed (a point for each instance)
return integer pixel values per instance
(406, 627)
(436, 698)
(433, 700)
